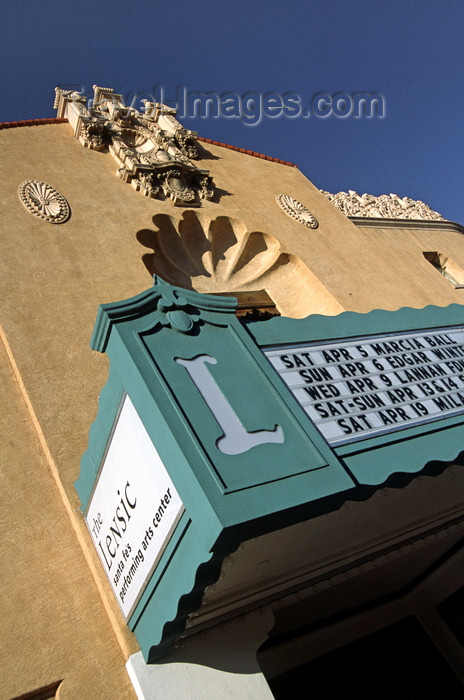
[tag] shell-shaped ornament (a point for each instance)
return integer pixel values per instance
(212, 256)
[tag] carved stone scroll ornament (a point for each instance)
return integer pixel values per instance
(297, 210)
(385, 206)
(152, 149)
(44, 201)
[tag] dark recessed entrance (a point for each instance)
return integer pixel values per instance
(399, 661)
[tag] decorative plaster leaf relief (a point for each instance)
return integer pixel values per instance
(213, 255)
(297, 210)
(44, 201)
(152, 149)
(220, 256)
(386, 206)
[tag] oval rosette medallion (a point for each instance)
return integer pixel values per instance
(297, 210)
(44, 201)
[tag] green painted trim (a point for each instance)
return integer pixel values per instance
(177, 592)
(229, 498)
(160, 297)
(99, 433)
(374, 466)
(284, 331)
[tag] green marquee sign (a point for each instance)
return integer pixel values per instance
(212, 430)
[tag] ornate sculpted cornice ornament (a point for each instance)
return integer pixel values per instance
(152, 149)
(386, 206)
(44, 201)
(296, 210)
(171, 304)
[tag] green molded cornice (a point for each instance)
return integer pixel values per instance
(350, 323)
(180, 308)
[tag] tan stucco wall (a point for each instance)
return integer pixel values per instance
(52, 279)
(54, 627)
(403, 276)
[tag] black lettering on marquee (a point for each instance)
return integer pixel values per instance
(448, 353)
(446, 403)
(426, 389)
(337, 407)
(295, 360)
(354, 424)
(379, 348)
(362, 351)
(392, 416)
(388, 378)
(316, 393)
(407, 359)
(315, 374)
(328, 390)
(336, 355)
(368, 401)
(351, 369)
(437, 339)
(401, 395)
(457, 366)
(321, 410)
(359, 386)
(288, 363)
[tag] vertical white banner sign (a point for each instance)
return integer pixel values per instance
(133, 510)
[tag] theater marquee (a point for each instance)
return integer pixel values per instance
(236, 427)
(371, 385)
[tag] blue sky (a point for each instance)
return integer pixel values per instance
(409, 52)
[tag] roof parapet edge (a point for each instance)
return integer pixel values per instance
(247, 152)
(33, 122)
(377, 222)
(63, 120)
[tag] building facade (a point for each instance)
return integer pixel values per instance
(351, 560)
